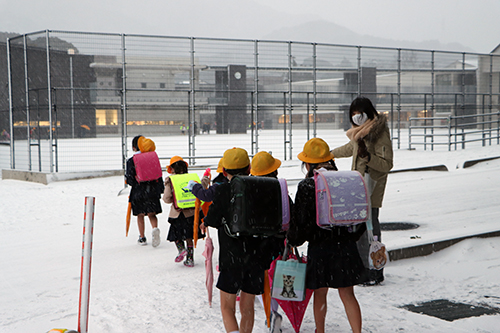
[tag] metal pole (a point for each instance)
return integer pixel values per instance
(88, 231)
(256, 90)
(399, 98)
(11, 111)
(433, 108)
(72, 97)
(359, 70)
(192, 111)
(49, 99)
(284, 126)
(315, 91)
(124, 104)
(290, 97)
(27, 101)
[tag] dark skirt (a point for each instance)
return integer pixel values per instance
(145, 206)
(334, 265)
(181, 228)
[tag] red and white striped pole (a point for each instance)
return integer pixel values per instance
(88, 230)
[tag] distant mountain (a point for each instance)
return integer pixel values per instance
(331, 33)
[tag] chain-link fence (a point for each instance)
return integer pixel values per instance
(76, 99)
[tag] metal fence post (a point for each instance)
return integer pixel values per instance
(124, 103)
(11, 116)
(49, 98)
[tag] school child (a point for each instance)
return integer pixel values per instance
(265, 165)
(333, 259)
(242, 263)
(204, 191)
(181, 220)
(144, 196)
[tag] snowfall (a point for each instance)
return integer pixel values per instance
(141, 289)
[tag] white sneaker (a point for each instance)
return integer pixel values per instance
(276, 320)
(156, 237)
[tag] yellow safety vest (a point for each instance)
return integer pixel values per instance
(183, 198)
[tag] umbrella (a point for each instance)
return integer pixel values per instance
(266, 298)
(129, 210)
(209, 276)
(294, 310)
(197, 205)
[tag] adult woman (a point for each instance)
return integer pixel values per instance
(371, 149)
(333, 260)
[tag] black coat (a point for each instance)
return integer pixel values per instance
(144, 196)
(332, 254)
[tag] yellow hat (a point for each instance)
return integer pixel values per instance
(145, 145)
(220, 166)
(235, 158)
(172, 161)
(264, 163)
(315, 151)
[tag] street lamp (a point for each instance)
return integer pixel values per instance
(71, 52)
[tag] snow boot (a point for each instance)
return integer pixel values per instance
(190, 257)
(182, 251)
(156, 237)
(276, 320)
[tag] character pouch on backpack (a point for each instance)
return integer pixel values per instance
(341, 198)
(147, 166)
(378, 255)
(289, 281)
(183, 197)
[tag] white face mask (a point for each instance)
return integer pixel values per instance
(359, 119)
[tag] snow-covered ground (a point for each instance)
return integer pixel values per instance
(142, 289)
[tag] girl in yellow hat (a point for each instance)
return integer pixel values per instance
(333, 259)
(181, 220)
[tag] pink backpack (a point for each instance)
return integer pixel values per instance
(341, 198)
(285, 205)
(147, 166)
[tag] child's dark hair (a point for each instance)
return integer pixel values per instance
(364, 105)
(313, 166)
(135, 143)
(179, 167)
(238, 172)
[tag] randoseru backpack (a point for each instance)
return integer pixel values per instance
(341, 198)
(147, 166)
(255, 206)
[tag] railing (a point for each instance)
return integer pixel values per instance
(457, 131)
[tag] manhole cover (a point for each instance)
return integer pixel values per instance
(392, 226)
(450, 311)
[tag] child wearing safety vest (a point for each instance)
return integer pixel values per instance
(181, 219)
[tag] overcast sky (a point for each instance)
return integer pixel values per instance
(472, 23)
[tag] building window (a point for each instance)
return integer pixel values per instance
(162, 85)
(106, 117)
(144, 85)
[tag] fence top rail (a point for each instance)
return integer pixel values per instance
(257, 41)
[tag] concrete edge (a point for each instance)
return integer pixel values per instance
(440, 167)
(46, 178)
(470, 163)
(426, 249)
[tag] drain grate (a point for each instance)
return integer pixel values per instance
(450, 311)
(392, 226)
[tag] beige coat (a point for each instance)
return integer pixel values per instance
(379, 145)
(168, 197)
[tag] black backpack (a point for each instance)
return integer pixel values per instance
(255, 206)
